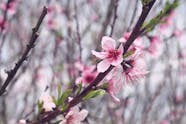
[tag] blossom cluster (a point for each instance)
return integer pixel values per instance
(128, 67)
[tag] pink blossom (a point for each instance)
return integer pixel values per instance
(88, 73)
(134, 68)
(164, 122)
(115, 82)
(110, 54)
(51, 23)
(48, 103)
(11, 8)
(75, 116)
(3, 24)
(154, 45)
(178, 32)
(113, 89)
(137, 42)
(22, 121)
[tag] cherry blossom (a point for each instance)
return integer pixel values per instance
(22, 121)
(155, 44)
(115, 83)
(48, 103)
(88, 73)
(11, 8)
(137, 42)
(110, 54)
(134, 67)
(75, 116)
(164, 122)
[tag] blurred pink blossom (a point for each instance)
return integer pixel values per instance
(75, 116)
(155, 43)
(110, 54)
(10, 8)
(88, 73)
(48, 103)
(164, 122)
(115, 83)
(137, 42)
(22, 121)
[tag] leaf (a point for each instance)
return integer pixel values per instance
(40, 106)
(94, 93)
(63, 97)
(128, 54)
(79, 88)
(147, 27)
(54, 100)
(59, 92)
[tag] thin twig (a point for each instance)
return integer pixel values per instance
(11, 73)
(115, 17)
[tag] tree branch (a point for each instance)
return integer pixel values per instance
(11, 73)
(135, 33)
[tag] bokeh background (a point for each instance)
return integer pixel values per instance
(158, 98)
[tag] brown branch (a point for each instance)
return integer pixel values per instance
(136, 30)
(115, 17)
(11, 73)
(146, 9)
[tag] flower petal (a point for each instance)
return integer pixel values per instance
(100, 55)
(117, 61)
(81, 115)
(122, 40)
(63, 122)
(108, 43)
(120, 49)
(117, 100)
(103, 65)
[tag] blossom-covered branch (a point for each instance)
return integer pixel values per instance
(77, 99)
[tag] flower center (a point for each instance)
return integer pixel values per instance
(113, 54)
(89, 78)
(128, 65)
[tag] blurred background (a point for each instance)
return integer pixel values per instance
(71, 29)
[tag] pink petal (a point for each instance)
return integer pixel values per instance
(49, 106)
(108, 43)
(79, 80)
(22, 121)
(103, 65)
(122, 40)
(118, 61)
(117, 100)
(120, 49)
(63, 122)
(100, 55)
(81, 115)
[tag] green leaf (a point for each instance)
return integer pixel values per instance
(59, 92)
(40, 106)
(128, 54)
(79, 88)
(94, 93)
(147, 27)
(63, 97)
(54, 100)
